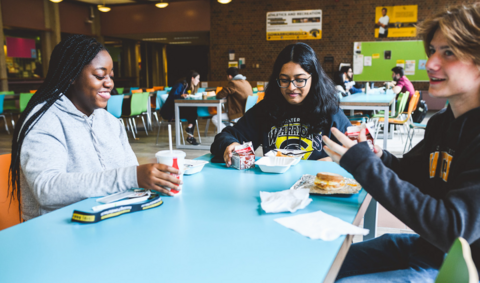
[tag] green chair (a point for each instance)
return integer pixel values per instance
(9, 105)
(137, 108)
(24, 99)
(458, 265)
(120, 89)
(399, 106)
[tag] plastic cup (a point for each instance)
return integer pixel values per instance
(204, 95)
(167, 157)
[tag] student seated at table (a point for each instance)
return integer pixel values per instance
(236, 92)
(180, 91)
(300, 106)
(345, 79)
(66, 146)
(401, 84)
(435, 188)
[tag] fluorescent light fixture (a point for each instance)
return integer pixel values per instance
(224, 1)
(180, 42)
(103, 8)
(56, 1)
(154, 38)
(161, 4)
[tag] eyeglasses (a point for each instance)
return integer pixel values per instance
(298, 83)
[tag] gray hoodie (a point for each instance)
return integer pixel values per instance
(69, 156)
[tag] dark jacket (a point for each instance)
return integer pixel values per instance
(251, 128)
(168, 109)
(236, 93)
(435, 188)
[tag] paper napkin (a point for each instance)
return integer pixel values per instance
(288, 200)
(319, 225)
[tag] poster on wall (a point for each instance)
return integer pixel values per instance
(396, 21)
(410, 67)
(233, 64)
(294, 25)
(357, 64)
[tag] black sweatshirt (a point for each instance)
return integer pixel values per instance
(251, 128)
(435, 188)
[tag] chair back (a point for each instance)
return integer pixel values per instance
(134, 88)
(260, 95)
(33, 90)
(155, 88)
(137, 104)
(160, 92)
(136, 91)
(120, 89)
(260, 88)
(24, 99)
(416, 102)
(163, 98)
(255, 89)
(399, 102)
(251, 101)
(203, 112)
(150, 90)
(458, 265)
(114, 105)
(201, 89)
(146, 98)
(219, 88)
(159, 101)
(413, 103)
(2, 98)
(9, 215)
(168, 89)
(10, 92)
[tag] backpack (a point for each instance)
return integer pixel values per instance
(419, 114)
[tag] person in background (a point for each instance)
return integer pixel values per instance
(434, 189)
(180, 91)
(300, 106)
(346, 77)
(236, 92)
(383, 24)
(401, 84)
(66, 146)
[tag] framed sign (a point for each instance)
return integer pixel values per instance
(294, 25)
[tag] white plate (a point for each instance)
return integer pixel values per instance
(193, 166)
(275, 164)
(297, 158)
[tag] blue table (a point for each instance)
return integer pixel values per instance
(362, 101)
(214, 232)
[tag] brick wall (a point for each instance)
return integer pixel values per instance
(241, 26)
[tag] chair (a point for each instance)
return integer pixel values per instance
(155, 88)
(2, 98)
(219, 88)
(401, 102)
(149, 90)
(251, 101)
(136, 91)
(458, 265)
(201, 89)
(158, 103)
(260, 88)
(399, 121)
(138, 106)
(114, 106)
(9, 214)
(260, 95)
(168, 89)
(134, 88)
(33, 91)
(24, 99)
(255, 89)
(119, 89)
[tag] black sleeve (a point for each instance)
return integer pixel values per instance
(245, 130)
(439, 221)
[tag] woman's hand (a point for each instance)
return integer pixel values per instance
(227, 155)
(336, 151)
(155, 176)
(328, 159)
(184, 95)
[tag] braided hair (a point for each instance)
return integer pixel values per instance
(68, 59)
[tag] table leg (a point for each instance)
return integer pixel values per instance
(219, 116)
(370, 220)
(177, 125)
(385, 128)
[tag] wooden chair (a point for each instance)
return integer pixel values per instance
(9, 215)
(458, 265)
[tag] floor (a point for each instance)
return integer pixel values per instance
(145, 148)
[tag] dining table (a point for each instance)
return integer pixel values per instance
(214, 231)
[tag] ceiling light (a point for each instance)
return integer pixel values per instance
(56, 1)
(161, 4)
(103, 8)
(224, 1)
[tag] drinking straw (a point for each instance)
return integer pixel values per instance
(170, 137)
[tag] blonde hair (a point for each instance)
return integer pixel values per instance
(461, 27)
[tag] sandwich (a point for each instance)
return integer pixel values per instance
(329, 181)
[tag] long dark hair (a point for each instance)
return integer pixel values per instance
(68, 59)
(320, 103)
(187, 81)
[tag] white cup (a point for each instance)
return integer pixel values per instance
(166, 157)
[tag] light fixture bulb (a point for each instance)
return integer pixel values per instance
(56, 1)
(103, 8)
(224, 1)
(161, 4)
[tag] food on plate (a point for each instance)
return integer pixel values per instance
(279, 154)
(329, 181)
